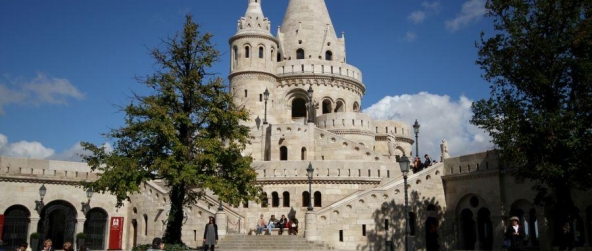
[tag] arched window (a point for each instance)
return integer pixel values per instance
(317, 199)
(283, 153)
(16, 226)
(356, 107)
(339, 106)
(300, 54)
(235, 51)
(272, 55)
(298, 108)
(260, 51)
(303, 153)
(94, 228)
(275, 199)
(326, 106)
(145, 224)
(247, 52)
(286, 199)
(485, 228)
(305, 199)
(264, 200)
(467, 230)
(328, 55)
(279, 57)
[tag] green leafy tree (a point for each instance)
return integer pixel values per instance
(187, 132)
(539, 66)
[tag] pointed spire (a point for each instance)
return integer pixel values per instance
(254, 20)
(307, 25)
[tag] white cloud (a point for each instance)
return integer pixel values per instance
(471, 11)
(36, 150)
(417, 16)
(410, 36)
(40, 90)
(433, 6)
(439, 118)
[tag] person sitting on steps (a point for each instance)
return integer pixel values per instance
(282, 223)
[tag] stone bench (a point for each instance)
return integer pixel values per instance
(253, 231)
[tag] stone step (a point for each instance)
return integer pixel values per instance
(241, 242)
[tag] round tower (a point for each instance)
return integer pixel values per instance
(313, 57)
(253, 63)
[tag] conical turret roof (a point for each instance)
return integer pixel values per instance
(307, 25)
(254, 21)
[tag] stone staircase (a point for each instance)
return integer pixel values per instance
(234, 242)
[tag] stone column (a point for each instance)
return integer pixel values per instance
(222, 222)
(310, 227)
(32, 227)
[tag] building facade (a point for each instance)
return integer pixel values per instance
(304, 99)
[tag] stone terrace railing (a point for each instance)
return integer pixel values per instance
(58, 171)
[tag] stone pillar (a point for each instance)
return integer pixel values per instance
(222, 222)
(310, 227)
(32, 227)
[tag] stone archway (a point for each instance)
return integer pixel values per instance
(16, 226)
(58, 223)
(95, 226)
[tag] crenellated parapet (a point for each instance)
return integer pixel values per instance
(319, 67)
(49, 171)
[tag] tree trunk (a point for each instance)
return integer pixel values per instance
(172, 234)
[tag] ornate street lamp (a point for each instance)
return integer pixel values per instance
(309, 172)
(39, 203)
(404, 165)
(310, 105)
(416, 129)
(266, 97)
(86, 205)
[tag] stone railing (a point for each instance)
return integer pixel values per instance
(319, 67)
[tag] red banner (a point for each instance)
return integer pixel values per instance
(1, 225)
(116, 233)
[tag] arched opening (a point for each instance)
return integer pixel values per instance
(356, 107)
(339, 106)
(467, 229)
(94, 228)
(134, 232)
(412, 223)
(485, 229)
(299, 110)
(283, 153)
(264, 200)
(318, 198)
(279, 57)
(260, 51)
(328, 55)
(303, 153)
(16, 227)
(275, 199)
(58, 223)
(533, 227)
(326, 106)
(305, 199)
(300, 54)
(235, 52)
(431, 228)
(286, 199)
(145, 224)
(247, 52)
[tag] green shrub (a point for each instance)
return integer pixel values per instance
(34, 236)
(142, 247)
(175, 247)
(80, 236)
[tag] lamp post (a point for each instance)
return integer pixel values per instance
(309, 172)
(416, 130)
(266, 97)
(310, 105)
(39, 203)
(86, 205)
(404, 165)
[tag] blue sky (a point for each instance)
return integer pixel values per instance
(66, 65)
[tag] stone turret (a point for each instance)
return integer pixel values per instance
(253, 62)
(307, 33)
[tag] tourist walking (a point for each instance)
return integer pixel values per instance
(515, 234)
(210, 235)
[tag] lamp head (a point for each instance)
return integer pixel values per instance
(416, 127)
(89, 193)
(42, 191)
(266, 94)
(310, 91)
(404, 164)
